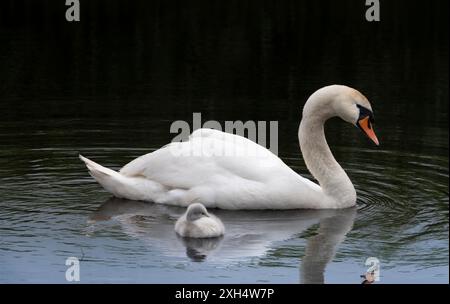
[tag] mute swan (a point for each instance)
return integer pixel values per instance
(198, 223)
(245, 181)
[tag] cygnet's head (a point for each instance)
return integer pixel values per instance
(196, 211)
(346, 103)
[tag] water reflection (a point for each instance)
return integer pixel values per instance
(114, 88)
(198, 249)
(248, 233)
(322, 247)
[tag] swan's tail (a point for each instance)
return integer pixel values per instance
(117, 184)
(109, 179)
(129, 187)
(98, 171)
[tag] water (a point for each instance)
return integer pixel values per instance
(114, 98)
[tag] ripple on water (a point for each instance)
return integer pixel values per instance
(402, 212)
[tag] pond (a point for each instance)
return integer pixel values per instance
(111, 91)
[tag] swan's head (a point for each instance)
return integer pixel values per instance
(344, 102)
(196, 211)
(353, 107)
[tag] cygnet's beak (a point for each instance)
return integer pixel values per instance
(366, 125)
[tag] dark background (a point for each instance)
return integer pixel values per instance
(230, 60)
(110, 86)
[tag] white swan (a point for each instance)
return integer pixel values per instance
(182, 173)
(197, 222)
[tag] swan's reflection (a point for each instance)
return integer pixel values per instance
(321, 248)
(248, 233)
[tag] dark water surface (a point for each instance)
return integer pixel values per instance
(111, 86)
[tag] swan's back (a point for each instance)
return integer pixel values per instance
(208, 154)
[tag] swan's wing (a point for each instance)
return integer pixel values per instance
(208, 156)
(212, 133)
(241, 145)
(253, 152)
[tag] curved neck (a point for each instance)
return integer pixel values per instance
(319, 159)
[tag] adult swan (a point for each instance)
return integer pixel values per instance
(196, 170)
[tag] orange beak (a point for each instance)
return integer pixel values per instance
(366, 126)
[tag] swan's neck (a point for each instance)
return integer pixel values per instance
(320, 161)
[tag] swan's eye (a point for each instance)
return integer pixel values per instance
(364, 112)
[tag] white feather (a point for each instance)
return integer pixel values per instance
(199, 170)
